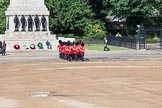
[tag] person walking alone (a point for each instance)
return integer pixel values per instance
(105, 45)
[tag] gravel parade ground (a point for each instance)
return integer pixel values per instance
(115, 79)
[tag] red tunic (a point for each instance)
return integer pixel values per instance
(74, 50)
(59, 48)
(63, 49)
(81, 50)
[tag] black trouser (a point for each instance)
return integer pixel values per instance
(80, 57)
(3, 51)
(106, 48)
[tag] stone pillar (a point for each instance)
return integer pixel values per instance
(7, 23)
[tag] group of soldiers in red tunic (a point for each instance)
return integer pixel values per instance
(71, 51)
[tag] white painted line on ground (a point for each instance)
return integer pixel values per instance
(66, 62)
(30, 64)
(82, 67)
(12, 70)
(40, 94)
(8, 103)
(44, 69)
(96, 67)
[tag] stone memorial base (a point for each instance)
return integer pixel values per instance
(26, 41)
(23, 16)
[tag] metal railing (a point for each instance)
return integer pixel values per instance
(122, 42)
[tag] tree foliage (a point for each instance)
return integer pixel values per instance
(135, 10)
(100, 8)
(3, 7)
(125, 8)
(69, 16)
(95, 30)
(85, 17)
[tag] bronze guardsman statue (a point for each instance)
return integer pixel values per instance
(17, 23)
(44, 23)
(23, 22)
(37, 23)
(30, 23)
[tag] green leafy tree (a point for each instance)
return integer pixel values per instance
(3, 6)
(69, 16)
(97, 6)
(136, 11)
(100, 8)
(125, 8)
(95, 30)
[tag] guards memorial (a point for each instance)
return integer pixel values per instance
(27, 26)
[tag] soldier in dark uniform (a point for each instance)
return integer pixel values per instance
(30, 23)
(17, 23)
(37, 23)
(44, 23)
(0, 46)
(3, 48)
(23, 22)
(105, 45)
(81, 42)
